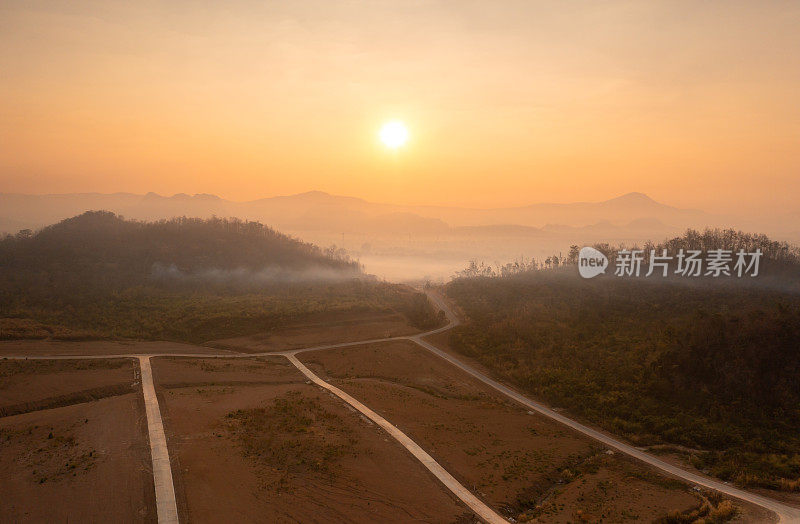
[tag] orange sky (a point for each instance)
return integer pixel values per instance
(508, 102)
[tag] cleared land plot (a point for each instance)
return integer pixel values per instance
(31, 385)
(251, 441)
(176, 372)
(87, 462)
(523, 464)
(321, 329)
(96, 347)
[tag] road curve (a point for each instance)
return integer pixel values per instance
(163, 475)
(466, 496)
(166, 507)
(785, 513)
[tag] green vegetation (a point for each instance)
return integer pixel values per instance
(100, 251)
(779, 258)
(709, 368)
(420, 312)
(166, 314)
(99, 276)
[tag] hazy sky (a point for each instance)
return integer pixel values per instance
(696, 103)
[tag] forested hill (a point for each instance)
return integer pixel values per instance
(708, 371)
(101, 249)
(192, 280)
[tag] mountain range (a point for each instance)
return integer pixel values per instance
(398, 242)
(319, 211)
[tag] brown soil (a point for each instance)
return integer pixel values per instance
(252, 441)
(81, 463)
(96, 347)
(285, 451)
(523, 464)
(746, 512)
(27, 385)
(171, 372)
(329, 328)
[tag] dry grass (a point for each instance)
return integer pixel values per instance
(51, 455)
(293, 436)
(87, 395)
(9, 368)
(26, 328)
(714, 510)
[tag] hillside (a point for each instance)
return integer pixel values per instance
(99, 276)
(399, 242)
(101, 249)
(395, 242)
(706, 369)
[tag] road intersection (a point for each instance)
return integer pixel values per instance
(162, 473)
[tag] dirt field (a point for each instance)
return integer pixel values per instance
(87, 462)
(521, 463)
(74, 442)
(252, 442)
(746, 512)
(322, 329)
(172, 372)
(30, 385)
(95, 347)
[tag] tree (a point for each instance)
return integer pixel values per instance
(574, 251)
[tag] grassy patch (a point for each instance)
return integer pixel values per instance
(292, 437)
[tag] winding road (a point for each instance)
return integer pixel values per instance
(162, 472)
(785, 513)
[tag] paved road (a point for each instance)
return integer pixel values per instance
(785, 513)
(466, 496)
(166, 507)
(162, 474)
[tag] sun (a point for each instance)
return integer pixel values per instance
(394, 134)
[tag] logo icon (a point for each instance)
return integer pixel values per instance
(591, 262)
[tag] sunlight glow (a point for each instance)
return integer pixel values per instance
(394, 134)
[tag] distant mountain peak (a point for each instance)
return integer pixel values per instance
(633, 197)
(206, 196)
(182, 197)
(316, 196)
